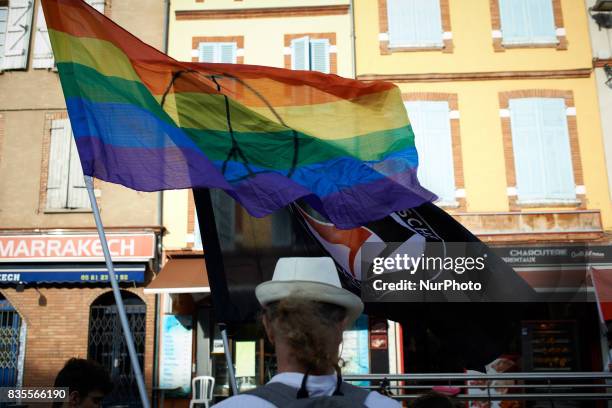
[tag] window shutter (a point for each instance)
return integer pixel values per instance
(97, 4)
(227, 53)
(428, 23)
(77, 190)
(542, 21)
(528, 149)
(559, 175)
(431, 125)
(3, 23)
(43, 53)
(402, 22)
(225, 214)
(19, 27)
(319, 55)
(207, 52)
(300, 53)
(59, 157)
(514, 21)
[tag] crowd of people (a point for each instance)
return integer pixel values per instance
(305, 311)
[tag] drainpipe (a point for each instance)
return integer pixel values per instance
(353, 41)
(160, 222)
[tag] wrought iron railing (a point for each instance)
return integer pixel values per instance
(533, 386)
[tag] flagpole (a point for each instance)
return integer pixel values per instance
(129, 340)
(216, 272)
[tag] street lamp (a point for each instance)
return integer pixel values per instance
(601, 13)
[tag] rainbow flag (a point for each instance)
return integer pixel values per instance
(266, 136)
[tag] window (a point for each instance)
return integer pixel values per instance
(431, 125)
(15, 29)
(310, 54)
(97, 4)
(223, 52)
(65, 183)
(527, 22)
(542, 154)
(414, 23)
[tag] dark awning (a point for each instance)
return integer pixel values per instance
(181, 275)
(15, 273)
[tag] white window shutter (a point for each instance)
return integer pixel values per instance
(300, 53)
(514, 21)
(227, 53)
(97, 4)
(319, 55)
(542, 21)
(19, 28)
(428, 20)
(431, 125)
(59, 159)
(225, 218)
(3, 23)
(528, 149)
(77, 190)
(558, 170)
(401, 21)
(43, 53)
(207, 52)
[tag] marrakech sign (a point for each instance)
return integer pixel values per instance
(85, 247)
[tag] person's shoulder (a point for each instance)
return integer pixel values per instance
(244, 400)
(378, 400)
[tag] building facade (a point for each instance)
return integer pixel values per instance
(54, 291)
(503, 101)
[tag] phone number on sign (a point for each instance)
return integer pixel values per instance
(31, 394)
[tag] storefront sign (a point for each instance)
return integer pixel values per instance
(84, 247)
(69, 273)
(576, 255)
(175, 357)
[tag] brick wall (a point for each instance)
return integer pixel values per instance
(58, 329)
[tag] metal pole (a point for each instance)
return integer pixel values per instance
(129, 340)
(228, 357)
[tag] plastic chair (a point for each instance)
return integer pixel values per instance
(202, 391)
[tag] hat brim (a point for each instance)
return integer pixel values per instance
(273, 291)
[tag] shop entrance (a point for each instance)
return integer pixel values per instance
(107, 346)
(11, 328)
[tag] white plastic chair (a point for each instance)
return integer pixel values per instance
(202, 391)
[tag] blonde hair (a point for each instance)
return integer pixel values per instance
(312, 329)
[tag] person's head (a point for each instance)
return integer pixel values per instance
(305, 311)
(87, 383)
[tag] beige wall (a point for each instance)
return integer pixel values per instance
(249, 4)
(26, 98)
(473, 45)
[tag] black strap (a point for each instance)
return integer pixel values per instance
(303, 392)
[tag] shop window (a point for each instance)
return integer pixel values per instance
(310, 54)
(527, 22)
(222, 52)
(15, 29)
(65, 188)
(106, 344)
(431, 125)
(12, 345)
(414, 23)
(542, 153)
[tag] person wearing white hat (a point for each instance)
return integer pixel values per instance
(305, 312)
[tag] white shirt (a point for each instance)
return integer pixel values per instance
(317, 385)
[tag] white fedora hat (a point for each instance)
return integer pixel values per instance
(310, 278)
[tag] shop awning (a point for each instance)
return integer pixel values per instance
(14, 273)
(602, 282)
(181, 275)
